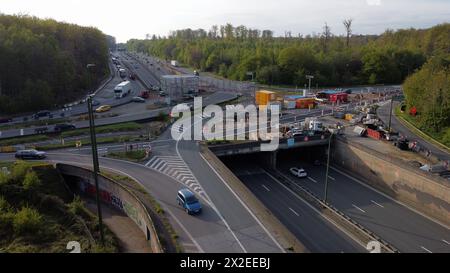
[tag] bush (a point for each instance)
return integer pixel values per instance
(31, 181)
(19, 170)
(27, 220)
(4, 205)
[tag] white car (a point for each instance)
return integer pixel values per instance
(299, 172)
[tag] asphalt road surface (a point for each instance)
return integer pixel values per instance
(407, 230)
(307, 224)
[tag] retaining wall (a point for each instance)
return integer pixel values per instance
(113, 193)
(425, 192)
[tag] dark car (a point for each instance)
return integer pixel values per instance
(5, 120)
(30, 154)
(40, 114)
(64, 127)
(41, 130)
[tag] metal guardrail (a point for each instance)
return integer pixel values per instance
(307, 194)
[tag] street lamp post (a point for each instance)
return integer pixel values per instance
(96, 166)
(309, 77)
(390, 114)
(328, 167)
(95, 162)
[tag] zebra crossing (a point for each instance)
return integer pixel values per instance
(176, 168)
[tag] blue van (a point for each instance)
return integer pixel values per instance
(188, 201)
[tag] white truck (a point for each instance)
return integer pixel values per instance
(313, 124)
(122, 89)
(174, 63)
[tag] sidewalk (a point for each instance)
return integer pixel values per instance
(131, 238)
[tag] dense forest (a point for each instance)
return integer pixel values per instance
(43, 62)
(389, 58)
(334, 60)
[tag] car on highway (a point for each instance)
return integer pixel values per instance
(299, 172)
(5, 120)
(64, 127)
(40, 114)
(144, 94)
(188, 201)
(30, 154)
(162, 94)
(138, 99)
(41, 130)
(103, 108)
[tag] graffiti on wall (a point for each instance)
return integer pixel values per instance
(110, 198)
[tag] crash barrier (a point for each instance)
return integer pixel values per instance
(118, 196)
(361, 233)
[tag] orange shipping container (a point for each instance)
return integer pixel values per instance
(263, 97)
(305, 103)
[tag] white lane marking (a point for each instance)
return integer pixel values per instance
(244, 205)
(377, 204)
(312, 179)
(427, 250)
(293, 211)
(332, 178)
(264, 186)
(389, 197)
(445, 242)
(351, 236)
(358, 208)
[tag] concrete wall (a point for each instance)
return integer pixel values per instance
(424, 192)
(119, 197)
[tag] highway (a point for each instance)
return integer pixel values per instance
(316, 232)
(404, 228)
(383, 114)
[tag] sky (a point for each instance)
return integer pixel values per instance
(127, 19)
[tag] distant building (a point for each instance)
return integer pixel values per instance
(178, 87)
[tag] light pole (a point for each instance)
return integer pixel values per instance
(328, 167)
(95, 162)
(309, 77)
(390, 114)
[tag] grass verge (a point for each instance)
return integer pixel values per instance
(134, 156)
(121, 127)
(441, 139)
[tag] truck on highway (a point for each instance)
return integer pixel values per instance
(122, 89)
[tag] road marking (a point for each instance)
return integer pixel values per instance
(389, 197)
(358, 208)
(264, 186)
(312, 179)
(332, 178)
(351, 236)
(293, 211)
(243, 204)
(445, 242)
(377, 204)
(427, 250)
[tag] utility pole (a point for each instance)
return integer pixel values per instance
(95, 161)
(328, 167)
